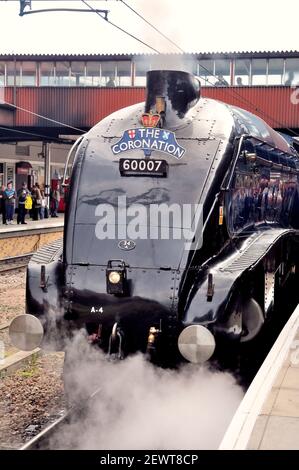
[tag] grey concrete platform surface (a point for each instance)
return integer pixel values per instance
(18, 240)
(13, 362)
(268, 416)
(36, 225)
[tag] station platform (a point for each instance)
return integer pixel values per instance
(20, 239)
(268, 416)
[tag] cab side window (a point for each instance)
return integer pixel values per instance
(262, 188)
(243, 193)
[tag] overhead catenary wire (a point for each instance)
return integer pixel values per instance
(44, 117)
(241, 98)
(119, 28)
(230, 91)
(152, 26)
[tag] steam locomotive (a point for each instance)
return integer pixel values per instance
(181, 230)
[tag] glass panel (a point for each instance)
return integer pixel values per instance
(259, 68)
(47, 75)
(242, 72)
(10, 174)
(187, 65)
(28, 73)
(205, 72)
(12, 70)
(62, 73)
(124, 74)
(292, 72)
(77, 73)
(93, 74)
(108, 74)
(193, 66)
(2, 73)
(222, 71)
(275, 72)
(141, 67)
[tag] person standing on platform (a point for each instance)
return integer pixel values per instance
(10, 196)
(111, 82)
(43, 206)
(2, 204)
(221, 81)
(22, 194)
(290, 79)
(55, 201)
(37, 201)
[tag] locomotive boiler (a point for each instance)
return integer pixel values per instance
(181, 230)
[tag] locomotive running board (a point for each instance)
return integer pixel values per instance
(205, 308)
(48, 253)
(253, 250)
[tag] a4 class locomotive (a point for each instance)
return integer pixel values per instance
(181, 230)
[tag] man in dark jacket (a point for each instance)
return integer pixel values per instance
(55, 201)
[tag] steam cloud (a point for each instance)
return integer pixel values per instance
(140, 406)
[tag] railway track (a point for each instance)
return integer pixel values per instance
(62, 434)
(14, 262)
(42, 440)
(12, 359)
(45, 439)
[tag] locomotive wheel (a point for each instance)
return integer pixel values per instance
(252, 320)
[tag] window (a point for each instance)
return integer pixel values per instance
(1, 174)
(2, 74)
(206, 72)
(242, 72)
(124, 74)
(243, 198)
(259, 72)
(93, 74)
(62, 74)
(28, 73)
(291, 72)
(77, 74)
(222, 72)
(188, 65)
(141, 67)
(47, 74)
(108, 74)
(23, 150)
(13, 73)
(10, 174)
(275, 72)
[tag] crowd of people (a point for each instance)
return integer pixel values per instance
(24, 201)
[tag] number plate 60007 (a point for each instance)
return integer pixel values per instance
(142, 167)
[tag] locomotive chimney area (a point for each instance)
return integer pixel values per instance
(171, 94)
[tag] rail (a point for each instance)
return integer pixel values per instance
(42, 441)
(14, 262)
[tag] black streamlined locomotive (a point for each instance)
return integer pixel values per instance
(131, 276)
